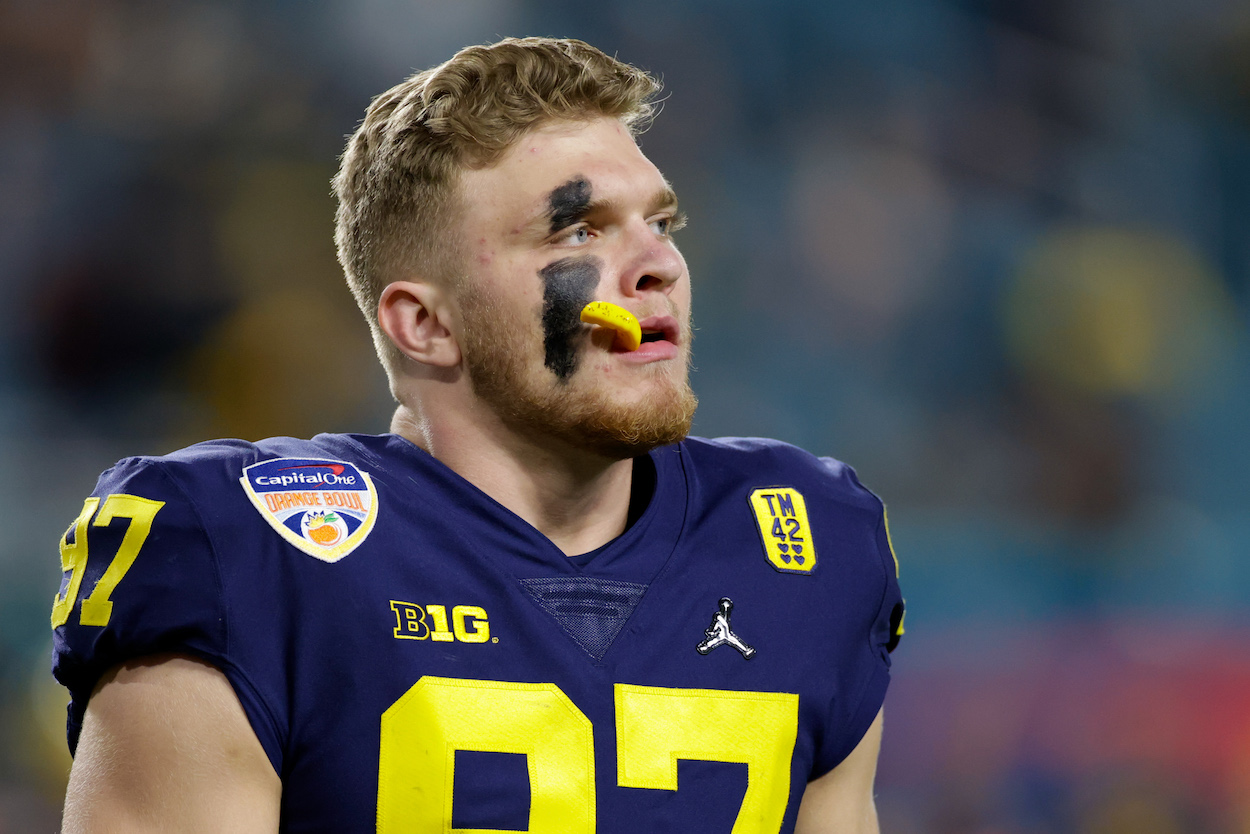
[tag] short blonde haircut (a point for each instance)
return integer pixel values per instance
(396, 186)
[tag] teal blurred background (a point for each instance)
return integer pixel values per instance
(994, 254)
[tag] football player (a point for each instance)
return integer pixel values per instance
(494, 617)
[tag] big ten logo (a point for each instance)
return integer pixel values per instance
(781, 514)
(468, 623)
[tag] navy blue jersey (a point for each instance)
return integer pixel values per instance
(414, 657)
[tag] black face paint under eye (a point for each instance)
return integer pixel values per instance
(568, 286)
(568, 203)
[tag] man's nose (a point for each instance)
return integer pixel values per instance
(653, 264)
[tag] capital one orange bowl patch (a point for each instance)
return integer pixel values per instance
(326, 508)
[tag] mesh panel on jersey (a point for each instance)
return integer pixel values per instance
(591, 611)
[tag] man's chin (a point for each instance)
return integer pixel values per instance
(620, 440)
(601, 423)
(617, 431)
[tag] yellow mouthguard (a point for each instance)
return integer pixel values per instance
(605, 314)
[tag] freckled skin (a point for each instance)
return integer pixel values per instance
(568, 286)
(568, 203)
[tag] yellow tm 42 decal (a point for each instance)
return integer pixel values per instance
(781, 514)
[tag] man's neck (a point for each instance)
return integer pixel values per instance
(578, 500)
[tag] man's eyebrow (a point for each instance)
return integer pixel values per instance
(571, 203)
(665, 198)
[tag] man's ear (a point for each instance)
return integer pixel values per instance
(417, 318)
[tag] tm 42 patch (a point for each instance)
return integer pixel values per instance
(781, 514)
(326, 508)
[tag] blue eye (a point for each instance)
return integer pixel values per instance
(665, 226)
(576, 237)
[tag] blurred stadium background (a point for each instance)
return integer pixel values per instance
(993, 253)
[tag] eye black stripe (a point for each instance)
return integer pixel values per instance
(568, 203)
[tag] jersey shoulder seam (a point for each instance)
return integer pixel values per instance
(223, 604)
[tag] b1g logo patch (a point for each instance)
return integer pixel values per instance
(781, 515)
(326, 508)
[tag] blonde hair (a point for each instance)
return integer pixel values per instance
(396, 183)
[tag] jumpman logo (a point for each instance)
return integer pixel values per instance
(719, 633)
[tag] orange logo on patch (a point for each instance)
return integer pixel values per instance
(323, 528)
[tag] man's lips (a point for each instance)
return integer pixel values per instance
(660, 328)
(653, 337)
(660, 338)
